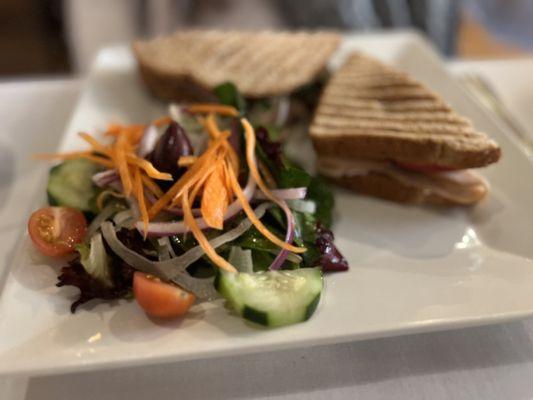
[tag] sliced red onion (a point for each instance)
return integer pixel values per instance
(175, 268)
(148, 141)
(176, 227)
(283, 194)
(104, 178)
(292, 257)
(179, 212)
(289, 237)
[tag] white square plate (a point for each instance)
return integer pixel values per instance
(412, 269)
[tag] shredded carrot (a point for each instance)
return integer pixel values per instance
(218, 157)
(211, 126)
(202, 166)
(227, 180)
(147, 166)
(234, 158)
(200, 183)
(151, 186)
(113, 129)
(122, 163)
(250, 158)
(215, 198)
(134, 132)
(185, 161)
(256, 221)
(212, 108)
(205, 169)
(76, 154)
(139, 194)
(162, 121)
(96, 145)
(99, 160)
(200, 237)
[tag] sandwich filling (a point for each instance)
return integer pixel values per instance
(459, 186)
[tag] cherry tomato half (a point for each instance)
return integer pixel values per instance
(55, 231)
(160, 299)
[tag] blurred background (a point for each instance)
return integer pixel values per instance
(60, 37)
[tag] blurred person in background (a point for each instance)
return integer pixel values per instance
(76, 29)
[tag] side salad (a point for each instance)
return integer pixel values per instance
(199, 204)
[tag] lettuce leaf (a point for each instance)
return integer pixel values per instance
(95, 260)
(74, 274)
(228, 94)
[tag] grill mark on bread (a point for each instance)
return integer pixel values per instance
(347, 130)
(410, 116)
(227, 53)
(389, 106)
(422, 127)
(263, 73)
(395, 93)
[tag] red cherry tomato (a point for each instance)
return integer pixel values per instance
(160, 299)
(55, 231)
(428, 168)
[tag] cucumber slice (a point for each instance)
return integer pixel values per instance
(272, 298)
(70, 184)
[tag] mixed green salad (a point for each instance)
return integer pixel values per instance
(196, 205)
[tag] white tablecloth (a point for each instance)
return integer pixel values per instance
(494, 362)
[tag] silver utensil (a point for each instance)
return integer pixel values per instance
(480, 88)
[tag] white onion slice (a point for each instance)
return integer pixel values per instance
(241, 259)
(102, 216)
(124, 219)
(283, 194)
(305, 206)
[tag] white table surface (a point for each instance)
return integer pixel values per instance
(494, 362)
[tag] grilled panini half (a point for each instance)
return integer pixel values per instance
(188, 64)
(380, 132)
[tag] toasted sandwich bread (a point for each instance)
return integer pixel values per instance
(370, 111)
(188, 64)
